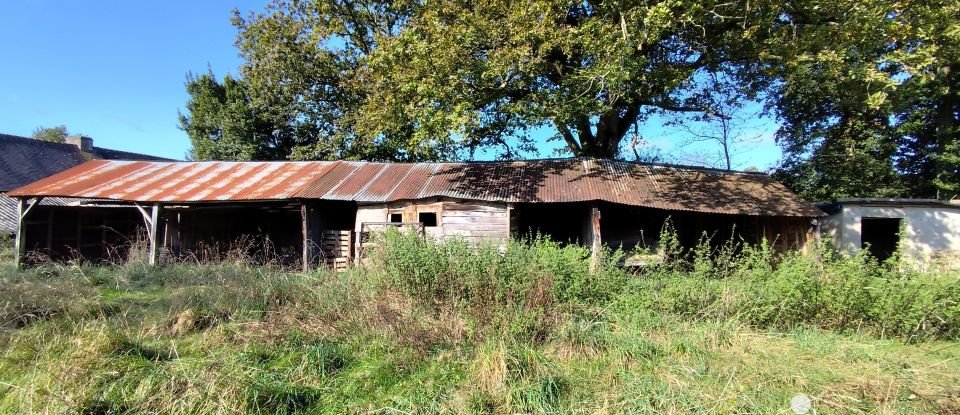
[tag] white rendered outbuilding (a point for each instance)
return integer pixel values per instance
(925, 229)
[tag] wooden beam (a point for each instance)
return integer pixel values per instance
(21, 234)
(152, 220)
(596, 238)
(24, 206)
(307, 242)
(147, 217)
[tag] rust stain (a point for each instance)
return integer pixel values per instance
(147, 181)
(537, 181)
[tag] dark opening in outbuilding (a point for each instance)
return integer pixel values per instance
(428, 219)
(880, 236)
(396, 217)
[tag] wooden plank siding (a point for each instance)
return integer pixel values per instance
(473, 221)
(593, 225)
(476, 221)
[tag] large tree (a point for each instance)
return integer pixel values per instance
(869, 101)
(865, 89)
(224, 124)
(309, 58)
(429, 80)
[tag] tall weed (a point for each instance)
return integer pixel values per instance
(515, 274)
(820, 288)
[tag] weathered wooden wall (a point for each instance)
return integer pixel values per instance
(473, 221)
(476, 221)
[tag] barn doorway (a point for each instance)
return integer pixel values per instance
(560, 222)
(880, 236)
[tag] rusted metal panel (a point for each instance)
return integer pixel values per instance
(538, 181)
(144, 181)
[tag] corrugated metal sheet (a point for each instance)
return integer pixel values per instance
(537, 181)
(24, 160)
(8, 215)
(147, 181)
(566, 180)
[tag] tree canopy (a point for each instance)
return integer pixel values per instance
(865, 91)
(870, 105)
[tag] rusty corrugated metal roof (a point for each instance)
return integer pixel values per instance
(536, 181)
(206, 181)
(565, 180)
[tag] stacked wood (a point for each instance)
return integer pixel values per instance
(335, 248)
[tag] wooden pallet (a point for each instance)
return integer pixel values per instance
(336, 248)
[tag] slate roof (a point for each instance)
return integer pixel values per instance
(536, 181)
(24, 160)
(111, 154)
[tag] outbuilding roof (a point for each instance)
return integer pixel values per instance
(157, 181)
(25, 160)
(835, 206)
(535, 181)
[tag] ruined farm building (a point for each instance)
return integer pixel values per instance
(321, 213)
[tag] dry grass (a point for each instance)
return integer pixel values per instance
(232, 338)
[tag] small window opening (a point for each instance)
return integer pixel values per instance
(428, 219)
(396, 217)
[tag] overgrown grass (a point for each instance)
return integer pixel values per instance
(447, 327)
(7, 253)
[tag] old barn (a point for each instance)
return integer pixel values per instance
(321, 213)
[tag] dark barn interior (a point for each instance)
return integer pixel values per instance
(261, 232)
(561, 222)
(630, 227)
(94, 233)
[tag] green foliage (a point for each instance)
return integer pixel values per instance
(518, 274)
(223, 124)
(822, 289)
(866, 92)
(870, 107)
(56, 134)
(7, 251)
(447, 327)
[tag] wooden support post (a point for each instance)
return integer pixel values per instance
(511, 219)
(21, 234)
(307, 242)
(23, 208)
(152, 220)
(154, 235)
(596, 239)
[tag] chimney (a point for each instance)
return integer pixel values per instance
(84, 143)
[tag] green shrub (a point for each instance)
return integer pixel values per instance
(515, 274)
(7, 253)
(452, 327)
(818, 288)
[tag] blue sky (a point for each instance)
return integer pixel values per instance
(115, 70)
